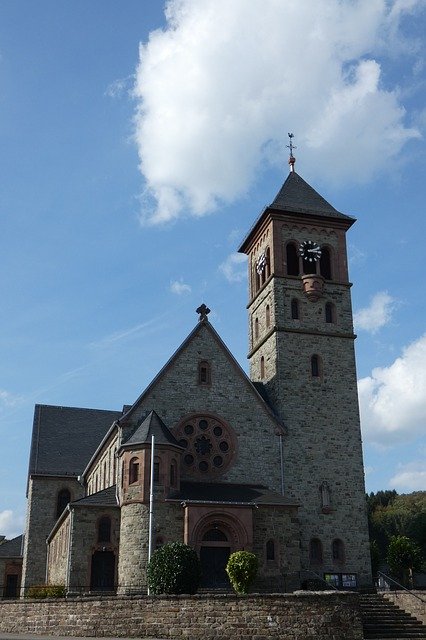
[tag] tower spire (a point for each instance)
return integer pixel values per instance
(291, 146)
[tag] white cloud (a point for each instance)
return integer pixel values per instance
(11, 524)
(179, 287)
(393, 399)
(118, 87)
(377, 314)
(9, 400)
(410, 477)
(234, 268)
(218, 89)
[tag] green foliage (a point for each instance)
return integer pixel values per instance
(390, 514)
(174, 568)
(46, 591)
(403, 557)
(375, 557)
(242, 570)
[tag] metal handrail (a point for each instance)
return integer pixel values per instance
(380, 573)
(317, 575)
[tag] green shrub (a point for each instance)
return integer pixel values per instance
(174, 568)
(242, 570)
(46, 591)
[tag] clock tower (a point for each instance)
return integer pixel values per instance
(301, 351)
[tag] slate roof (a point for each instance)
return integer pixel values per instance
(64, 438)
(297, 196)
(12, 548)
(250, 494)
(105, 498)
(152, 425)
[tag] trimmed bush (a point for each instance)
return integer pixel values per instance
(242, 570)
(174, 568)
(46, 591)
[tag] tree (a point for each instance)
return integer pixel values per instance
(242, 570)
(174, 568)
(404, 557)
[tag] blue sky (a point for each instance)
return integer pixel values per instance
(139, 144)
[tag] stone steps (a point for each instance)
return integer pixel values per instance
(383, 620)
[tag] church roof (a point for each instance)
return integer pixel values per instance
(297, 197)
(105, 498)
(152, 425)
(11, 548)
(64, 438)
(218, 492)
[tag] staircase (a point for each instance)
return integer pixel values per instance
(382, 619)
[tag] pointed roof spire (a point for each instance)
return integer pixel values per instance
(291, 146)
(151, 426)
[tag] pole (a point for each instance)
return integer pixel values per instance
(151, 503)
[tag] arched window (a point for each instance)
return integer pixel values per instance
(173, 473)
(204, 372)
(262, 368)
(315, 551)
(292, 260)
(156, 469)
(268, 316)
(270, 550)
(104, 529)
(133, 470)
(329, 312)
(268, 263)
(64, 497)
(325, 263)
(256, 328)
(338, 550)
(315, 366)
(295, 309)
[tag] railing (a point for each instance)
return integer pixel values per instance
(319, 577)
(399, 585)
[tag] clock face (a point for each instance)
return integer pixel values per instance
(310, 251)
(261, 263)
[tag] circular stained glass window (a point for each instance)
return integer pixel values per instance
(209, 445)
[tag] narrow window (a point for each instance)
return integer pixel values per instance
(325, 263)
(329, 312)
(64, 497)
(104, 529)
(268, 316)
(315, 551)
(270, 550)
(262, 368)
(315, 367)
(268, 264)
(133, 470)
(309, 267)
(157, 470)
(295, 309)
(173, 473)
(204, 372)
(256, 328)
(338, 550)
(292, 260)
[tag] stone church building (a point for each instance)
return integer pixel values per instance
(269, 462)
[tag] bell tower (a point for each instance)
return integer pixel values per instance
(301, 349)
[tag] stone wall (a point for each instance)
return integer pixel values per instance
(409, 602)
(301, 616)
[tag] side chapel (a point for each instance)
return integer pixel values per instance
(270, 463)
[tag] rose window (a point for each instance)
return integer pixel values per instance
(209, 445)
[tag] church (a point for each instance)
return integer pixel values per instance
(270, 462)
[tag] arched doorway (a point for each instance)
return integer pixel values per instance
(103, 571)
(215, 550)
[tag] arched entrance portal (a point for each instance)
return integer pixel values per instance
(215, 550)
(103, 571)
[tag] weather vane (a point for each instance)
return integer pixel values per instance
(291, 146)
